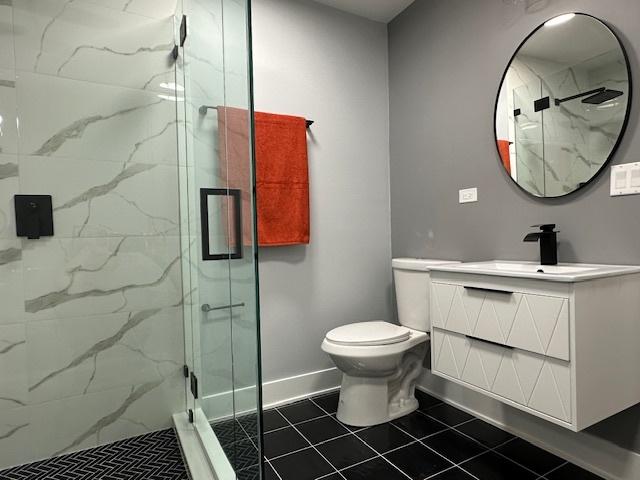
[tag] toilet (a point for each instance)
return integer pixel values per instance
(381, 361)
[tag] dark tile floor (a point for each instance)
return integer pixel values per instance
(155, 456)
(305, 441)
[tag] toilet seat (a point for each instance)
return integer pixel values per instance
(368, 334)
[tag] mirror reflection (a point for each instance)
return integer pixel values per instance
(562, 105)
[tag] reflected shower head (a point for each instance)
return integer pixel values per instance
(602, 97)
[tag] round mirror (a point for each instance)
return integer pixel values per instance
(563, 105)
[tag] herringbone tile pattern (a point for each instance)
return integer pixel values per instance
(155, 456)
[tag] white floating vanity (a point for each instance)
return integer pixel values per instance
(560, 342)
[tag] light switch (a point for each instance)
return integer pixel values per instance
(625, 179)
(468, 195)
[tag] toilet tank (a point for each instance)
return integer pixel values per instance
(412, 280)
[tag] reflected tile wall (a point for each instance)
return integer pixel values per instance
(91, 325)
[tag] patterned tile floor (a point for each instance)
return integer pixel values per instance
(155, 456)
(304, 441)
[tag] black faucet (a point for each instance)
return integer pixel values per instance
(548, 243)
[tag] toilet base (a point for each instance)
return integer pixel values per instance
(367, 401)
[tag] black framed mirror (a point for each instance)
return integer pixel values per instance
(563, 105)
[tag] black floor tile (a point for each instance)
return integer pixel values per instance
(241, 454)
(272, 420)
(301, 411)
(426, 401)
(530, 456)
(304, 465)
(321, 429)
(328, 402)
(448, 414)
(454, 446)
(485, 433)
(249, 424)
(453, 474)
(228, 431)
(333, 476)
(283, 441)
(385, 437)
(152, 456)
(418, 425)
(253, 473)
(418, 461)
(345, 451)
(491, 466)
(376, 469)
(572, 472)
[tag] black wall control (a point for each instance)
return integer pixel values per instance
(34, 216)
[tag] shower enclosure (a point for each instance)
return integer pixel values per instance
(219, 254)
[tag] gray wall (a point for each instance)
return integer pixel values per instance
(446, 58)
(331, 67)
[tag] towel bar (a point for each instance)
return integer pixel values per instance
(204, 108)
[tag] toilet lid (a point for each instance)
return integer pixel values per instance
(369, 333)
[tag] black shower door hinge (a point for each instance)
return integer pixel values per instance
(190, 416)
(194, 385)
(183, 30)
(185, 371)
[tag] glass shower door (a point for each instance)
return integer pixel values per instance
(221, 292)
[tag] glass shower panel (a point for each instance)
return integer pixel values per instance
(218, 182)
(528, 138)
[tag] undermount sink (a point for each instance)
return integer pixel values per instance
(564, 272)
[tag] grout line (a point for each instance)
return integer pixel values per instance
(312, 446)
(373, 449)
(415, 440)
(554, 469)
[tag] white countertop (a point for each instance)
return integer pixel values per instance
(563, 272)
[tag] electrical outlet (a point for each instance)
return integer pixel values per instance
(468, 195)
(625, 179)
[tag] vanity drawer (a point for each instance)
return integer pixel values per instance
(528, 321)
(540, 383)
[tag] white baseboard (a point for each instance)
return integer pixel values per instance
(274, 393)
(286, 390)
(587, 451)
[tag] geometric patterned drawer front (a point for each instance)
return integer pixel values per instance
(535, 381)
(537, 323)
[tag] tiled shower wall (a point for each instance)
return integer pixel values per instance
(91, 333)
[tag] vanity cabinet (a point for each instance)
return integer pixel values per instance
(568, 352)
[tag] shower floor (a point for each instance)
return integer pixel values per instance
(155, 456)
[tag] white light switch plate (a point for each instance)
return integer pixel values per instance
(625, 179)
(468, 195)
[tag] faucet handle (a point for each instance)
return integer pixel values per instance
(545, 227)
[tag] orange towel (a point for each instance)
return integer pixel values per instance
(503, 148)
(282, 175)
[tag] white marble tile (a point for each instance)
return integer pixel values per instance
(15, 437)
(11, 282)
(8, 113)
(147, 8)
(13, 367)
(80, 355)
(85, 41)
(103, 199)
(94, 276)
(9, 186)
(151, 411)
(87, 121)
(75, 423)
(6, 34)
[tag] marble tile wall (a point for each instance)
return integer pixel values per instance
(576, 139)
(91, 320)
